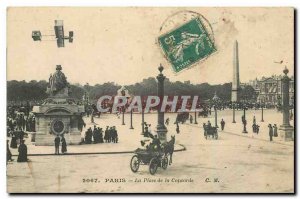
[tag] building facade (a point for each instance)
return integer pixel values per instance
(269, 89)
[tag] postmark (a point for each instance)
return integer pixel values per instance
(187, 43)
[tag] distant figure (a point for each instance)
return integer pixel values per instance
(56, 144)
(275, 130)
(63, 145)
(13, 142)
(208, 124)
(167, 121)
(254, 127)
(156, 143)
(270, 132)
(22, 157)
(222, 124)
(254, 120)
(92, 118)
(8, 153)
(191, 119)
(106, 132)
(257, 129)
(204, 127)
(21, 135)
(177, 128)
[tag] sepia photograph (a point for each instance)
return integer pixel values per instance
(150, 100)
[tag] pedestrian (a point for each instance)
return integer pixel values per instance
(257, 129)
(115, 134)
(8, 153)
(21, 135)
(275, 130)
(254, 120)
(63, 145)
(208, 124)
(56, 143)
(13, 142)
(167, 121)
(254, 128)
(177, 128)
(22, 157)
(110, 135)
(270, 132)
(106, 134)
(204, 127)
(191, 119)
(222, 124)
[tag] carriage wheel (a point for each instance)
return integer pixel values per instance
(153, 166)
(164, 162)
(216, 136)
(134, 164)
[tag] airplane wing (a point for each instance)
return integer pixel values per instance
(59, 33)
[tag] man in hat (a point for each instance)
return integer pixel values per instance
(56, 144)
(270, 132)
(8, 153)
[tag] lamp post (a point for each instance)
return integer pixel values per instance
(131, 111)
(244, 118)
(161, 129)
(215, 101)
(287, 131)
(143, 118)
(131, 127)
(233, 112)
(123, 92)
(262, 110)
(195, 121)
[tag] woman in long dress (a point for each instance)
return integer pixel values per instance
(275, 130)
(13, 142)
(63, 145)
(22, 157)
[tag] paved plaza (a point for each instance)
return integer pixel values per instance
(236, 162)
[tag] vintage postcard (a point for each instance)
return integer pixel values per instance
(150, 100)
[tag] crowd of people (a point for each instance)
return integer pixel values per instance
(96, 135)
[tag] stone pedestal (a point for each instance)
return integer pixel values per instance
(57, 117)
(286, 132)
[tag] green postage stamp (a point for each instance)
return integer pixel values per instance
(187, 44)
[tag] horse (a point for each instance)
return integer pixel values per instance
(168, 148)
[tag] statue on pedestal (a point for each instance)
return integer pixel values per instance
(58, 83)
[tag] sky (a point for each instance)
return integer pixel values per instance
(120, 44)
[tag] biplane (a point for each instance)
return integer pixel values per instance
(59, 34)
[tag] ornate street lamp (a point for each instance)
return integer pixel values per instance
(244, 117)
(216, 101)
(262, 110)
(123, 92)
(143, 117)
(195, 121)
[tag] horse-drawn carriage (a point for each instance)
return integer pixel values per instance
(153, 158)
(145, 157)
(182, 117)
(210, 131)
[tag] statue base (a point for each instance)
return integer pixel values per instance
(286, 132)
(57, 116)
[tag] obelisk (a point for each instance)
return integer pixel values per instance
(236, 73)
